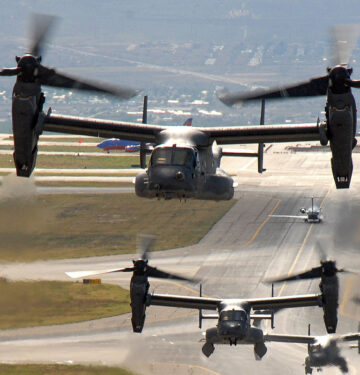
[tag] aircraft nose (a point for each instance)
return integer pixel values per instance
(171, 178)
(180, 176)
(232, 329)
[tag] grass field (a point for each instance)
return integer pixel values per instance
(34, 303)
(70, 226)
(80, 162)
(43, 369)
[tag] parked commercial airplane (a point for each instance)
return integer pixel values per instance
(127, 145)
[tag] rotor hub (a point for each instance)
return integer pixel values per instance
(29, 67)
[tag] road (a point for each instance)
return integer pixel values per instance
(245, 247)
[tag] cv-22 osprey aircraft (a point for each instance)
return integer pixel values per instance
(234, 315)
(322, 350)
(185, 161)
(340, 125)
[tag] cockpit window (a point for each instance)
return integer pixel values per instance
(173, 156)
(315, 348)
(233, 315)
(161, 156)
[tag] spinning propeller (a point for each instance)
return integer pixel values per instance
(30, 70)
(338, 78)
(140, 266)
(327, 268)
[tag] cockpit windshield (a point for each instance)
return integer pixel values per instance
(315, 349)
(173, 156)
(233, 315)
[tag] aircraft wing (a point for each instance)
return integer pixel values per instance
(256, 303)
(147, 132)
(350, 337)
(184, 301)
(263, 133)
(291, 216)
(271, 303)
(297, 339)
(102, 128)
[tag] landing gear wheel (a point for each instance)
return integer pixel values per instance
(323, 137)
(208, 349)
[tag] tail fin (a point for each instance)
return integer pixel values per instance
(188, 122)
(261, 145)
(259, 154)
(142, 144)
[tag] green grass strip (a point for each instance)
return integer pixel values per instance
(43, 369)
(73, 226)
(34, 303)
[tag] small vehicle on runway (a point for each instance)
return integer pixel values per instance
(311, 215)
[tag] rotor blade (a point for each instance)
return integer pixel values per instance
(144, 243)
(41, 25)
(322, 253)
(343, 41)
(154, 272)
(10, 71)
(312, 274)
(78, 274)
(50, 77)
(314, 87)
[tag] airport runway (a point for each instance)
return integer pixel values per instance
(244, 248)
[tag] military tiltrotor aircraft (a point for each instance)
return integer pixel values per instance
(309, 215)
(340, 125)
(329, 286)
(184, 162)
(322, 350)
(234, 315)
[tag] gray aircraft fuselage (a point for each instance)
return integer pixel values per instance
(234, 328)
(324, 355)
(184, 165)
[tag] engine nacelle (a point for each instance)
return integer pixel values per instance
(139, 287)
(27, 122)
(341, 136)
(330, 301)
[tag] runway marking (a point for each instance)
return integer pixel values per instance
(302, 247)
(192, 290)
(353, 369)
(261, 225)
(206, 369)
(247, 164)
(296, 258)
